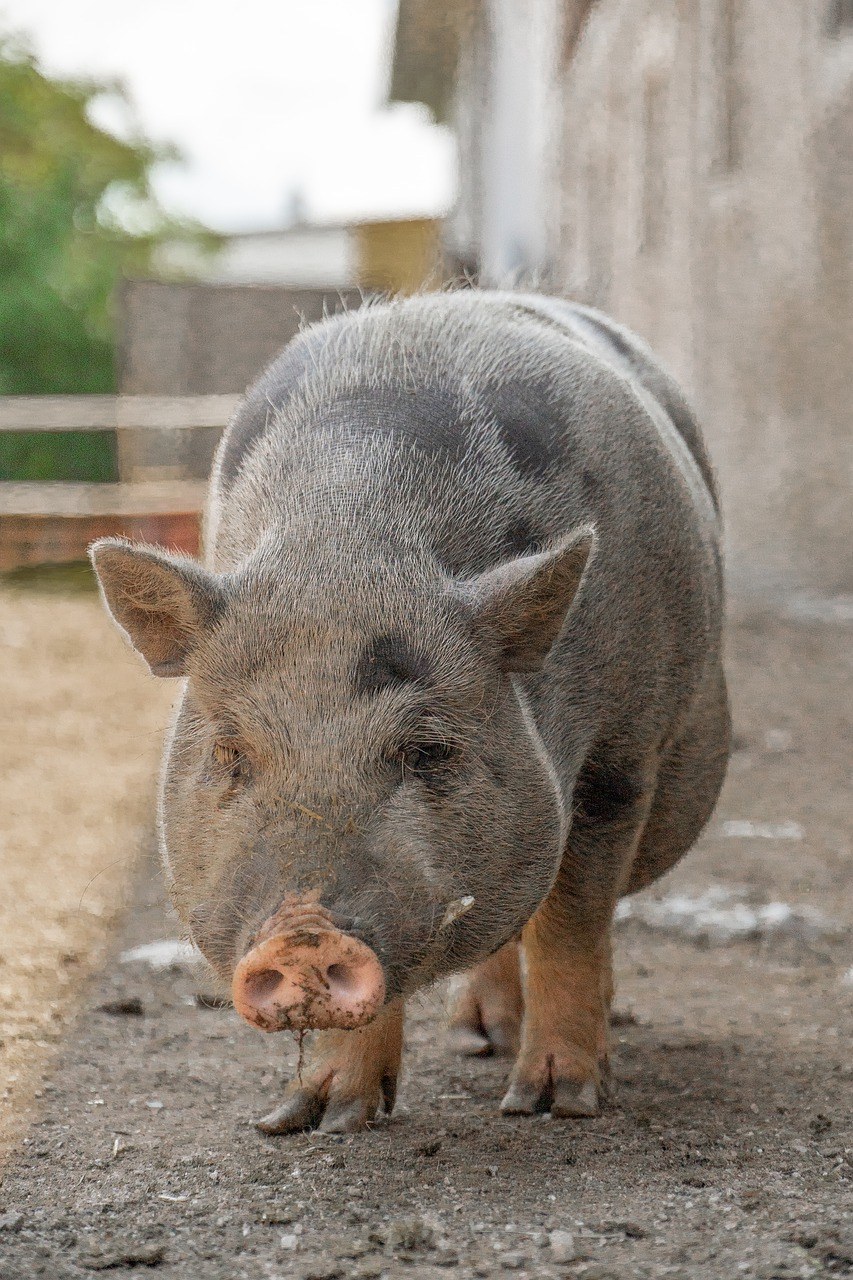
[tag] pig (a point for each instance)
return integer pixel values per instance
(453, 685)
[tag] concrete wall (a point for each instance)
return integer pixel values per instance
(698, 184)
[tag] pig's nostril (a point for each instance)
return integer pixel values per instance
(342, 977)
(261, 985)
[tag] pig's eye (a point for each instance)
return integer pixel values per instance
(425, 757)
(230, 760)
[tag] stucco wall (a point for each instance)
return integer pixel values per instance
(697, 182)
(709, 206)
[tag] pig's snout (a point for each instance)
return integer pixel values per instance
(311, 977)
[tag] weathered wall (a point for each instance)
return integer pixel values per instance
(709, 206)
(699, 186)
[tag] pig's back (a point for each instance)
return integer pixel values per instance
(500, 418)
(443, 373)
(627, 352)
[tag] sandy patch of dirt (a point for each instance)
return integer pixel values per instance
(81, 722)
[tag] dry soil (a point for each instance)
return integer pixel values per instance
(81, 723)
(727, 1152)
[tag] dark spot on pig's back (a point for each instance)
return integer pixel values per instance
(530, 420)
(271, 393)
(432, 418)
(388, 661)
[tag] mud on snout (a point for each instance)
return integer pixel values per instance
(304, 973)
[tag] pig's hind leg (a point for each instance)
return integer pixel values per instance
(487, 1016)
(688, 784)
(563, 1062)
(346, 1078)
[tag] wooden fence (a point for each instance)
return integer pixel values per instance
(55, 522)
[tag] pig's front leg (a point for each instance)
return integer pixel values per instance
(562, 1066)
(487, 1016)
(563, 1063)
(348, 1075)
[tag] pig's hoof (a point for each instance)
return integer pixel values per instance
(301, 1110)
(481, 1040)
(548, 1090)
(348, 1077)
(328, 1110)
(487, 1017)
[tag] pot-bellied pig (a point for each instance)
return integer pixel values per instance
(453, 685)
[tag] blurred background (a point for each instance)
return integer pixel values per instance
(182, 186)
(178, 193)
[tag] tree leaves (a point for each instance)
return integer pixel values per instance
(77, 213)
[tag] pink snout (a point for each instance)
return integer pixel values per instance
(308, 978)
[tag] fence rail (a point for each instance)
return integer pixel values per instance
(159, 498)
(115, 413)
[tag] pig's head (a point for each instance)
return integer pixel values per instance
(355, 799)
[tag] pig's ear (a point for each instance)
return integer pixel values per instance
(523, 603)
(163, 603)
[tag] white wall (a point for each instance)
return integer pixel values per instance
(506, 119)
(304, 257)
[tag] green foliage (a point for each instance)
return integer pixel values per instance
(77, 214)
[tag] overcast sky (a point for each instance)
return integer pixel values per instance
(263, 97)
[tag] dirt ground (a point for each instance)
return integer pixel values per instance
(727, 1152)
(81, 724)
